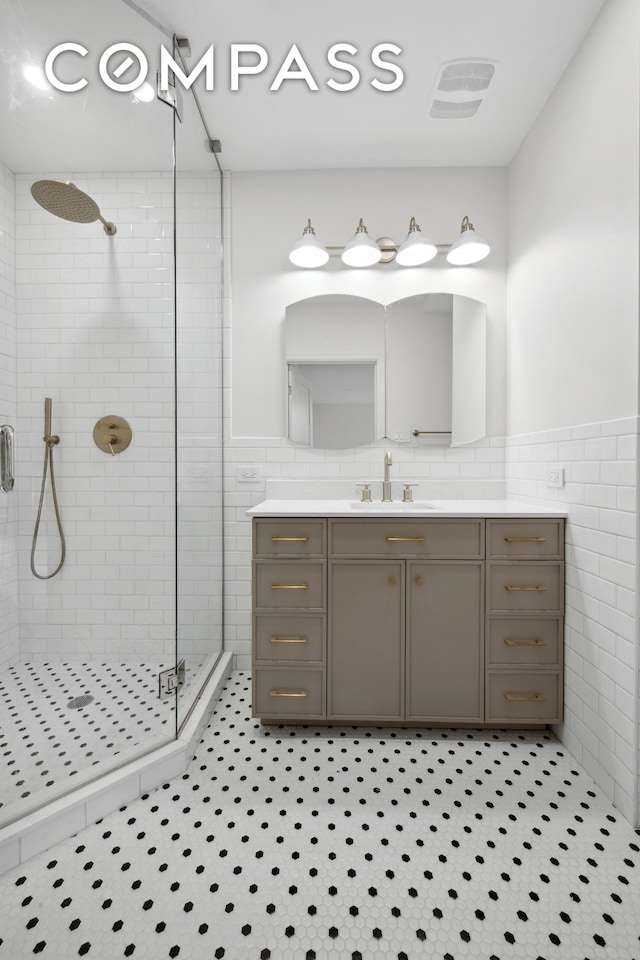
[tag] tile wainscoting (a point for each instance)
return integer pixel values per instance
(601, 659)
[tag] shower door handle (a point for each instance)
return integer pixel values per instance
(7, 478)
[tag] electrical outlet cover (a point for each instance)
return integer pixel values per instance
(248, 473)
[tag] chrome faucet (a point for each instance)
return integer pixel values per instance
(386, 483)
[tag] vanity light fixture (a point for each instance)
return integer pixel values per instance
(308, 251)
(415, 250)
(470, 247)
(361, 251)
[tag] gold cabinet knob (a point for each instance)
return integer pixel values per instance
(393, 581)
(419, 581)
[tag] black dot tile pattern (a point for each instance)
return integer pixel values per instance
(315, 843)
(46, 747)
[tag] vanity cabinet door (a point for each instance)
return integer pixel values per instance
(445, 670)
(366, 640)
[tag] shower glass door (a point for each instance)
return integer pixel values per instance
(199, 285)
(110, 328)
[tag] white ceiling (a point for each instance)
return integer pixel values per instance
(530, 41)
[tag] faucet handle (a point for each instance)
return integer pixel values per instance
(407, 492)
(366, 492)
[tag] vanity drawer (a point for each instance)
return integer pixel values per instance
(298, 585)
(525, 539)
(289, 637)
(407, 538)
(534, 640)
(281, 693)
(289, 537)
(525, 697)
(525, 588)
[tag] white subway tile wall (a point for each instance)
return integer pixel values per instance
(601, 657)
(8, 501)
(95, 329)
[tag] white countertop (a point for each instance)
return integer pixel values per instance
(419, 508)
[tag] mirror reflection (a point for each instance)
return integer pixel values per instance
(332, 405)
(358, 371)
(419, 345)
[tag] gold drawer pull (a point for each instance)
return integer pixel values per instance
(524, 697)
(525, 539)
(276, 693)
(536, 589)
(405, 539)
(289, 586)
(289, 539)
(288, 640)
(419, 581)
(525, 643)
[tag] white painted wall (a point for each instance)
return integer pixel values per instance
(573, 240)
(572, 376)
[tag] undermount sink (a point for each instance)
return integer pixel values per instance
(396, 506)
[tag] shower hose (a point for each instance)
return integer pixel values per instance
(48, 465)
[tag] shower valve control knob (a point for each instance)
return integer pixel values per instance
(112, 434)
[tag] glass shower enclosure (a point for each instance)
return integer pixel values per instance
(111, 380)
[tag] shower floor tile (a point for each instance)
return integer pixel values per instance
(45, 744)
(316, 843)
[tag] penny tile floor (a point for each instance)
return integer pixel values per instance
(322, 843)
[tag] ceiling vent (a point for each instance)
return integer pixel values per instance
(457, 79)
(453, 110)
(471, 76)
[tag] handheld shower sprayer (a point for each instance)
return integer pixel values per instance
(50, 440)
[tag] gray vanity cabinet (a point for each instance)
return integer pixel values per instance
(425, 620)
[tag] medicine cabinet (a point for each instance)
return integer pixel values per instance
(360, 371)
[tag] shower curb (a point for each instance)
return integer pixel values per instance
(36, 832)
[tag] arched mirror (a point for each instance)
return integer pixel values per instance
(335, 356)
(358, 371)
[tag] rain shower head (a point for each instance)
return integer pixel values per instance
(65, 200)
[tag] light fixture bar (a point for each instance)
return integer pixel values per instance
(415, 250)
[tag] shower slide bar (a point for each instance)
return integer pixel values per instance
(7, 477)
